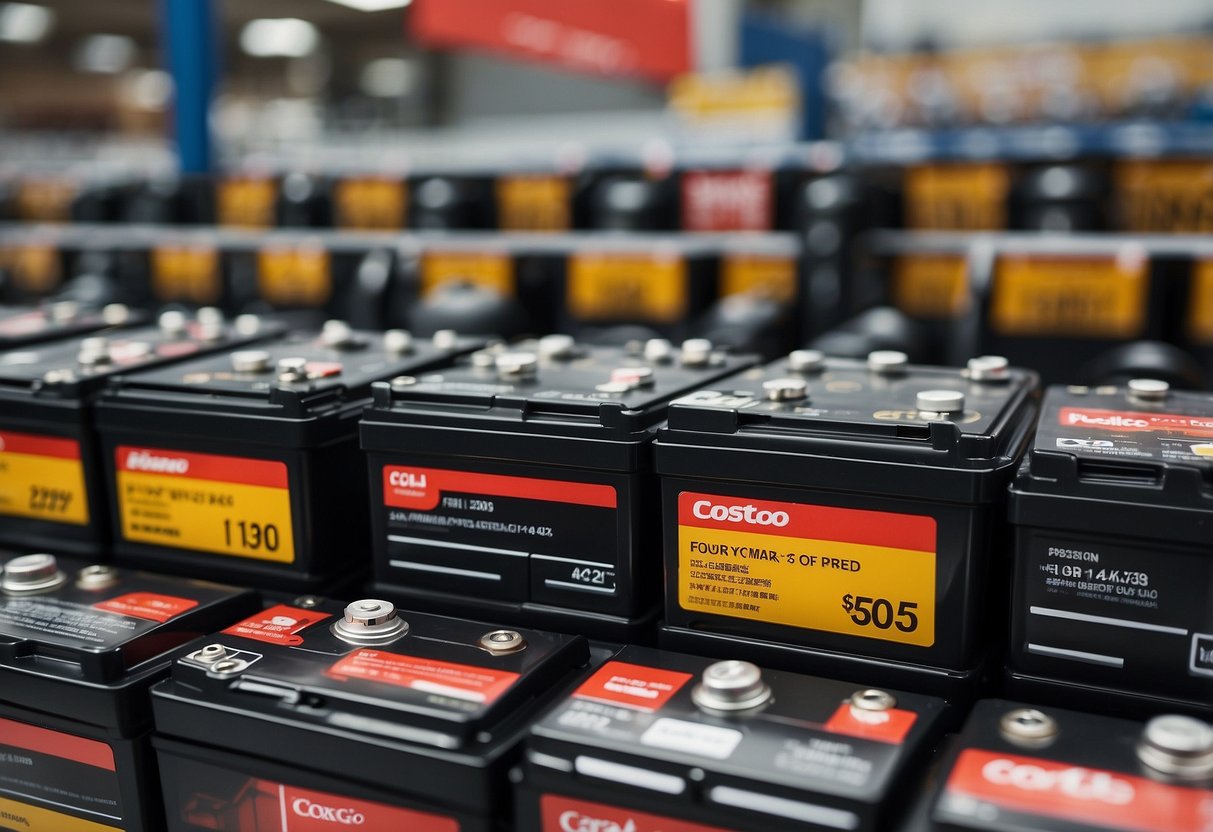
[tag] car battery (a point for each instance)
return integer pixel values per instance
(80, 645)
(22, 326)
(517, 484)
(318, 715)
(451, 202)
(1057, 306)
(52, 490)
(842, 517)
(244, 465)
(1112, 510)
(664, 742)
(1017, 768)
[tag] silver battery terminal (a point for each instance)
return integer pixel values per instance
(1028, 728)
(696, 352)
(209, 654)
(292, 369)
(173, 323)
(658, 350)
(887, 362)
(988, 368)
(1148, 389)
(64, 311)
(250, 361)
(731, 686)
(336, 335)
(1178, 746)
(872, 706)
(96, 577)
(516, 364)
(785, 389)
(116, 313)
(247, 324)
(61, 376)
(558, 347)
(940, 401)
(398, 341)
(806, 361)
(94, 352)
(633, 376)
(502, 642)
(31, 574)
(445, 339)
(370, 621)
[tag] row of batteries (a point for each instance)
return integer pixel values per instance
(839, 517)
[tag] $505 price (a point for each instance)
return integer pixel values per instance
(881, 613)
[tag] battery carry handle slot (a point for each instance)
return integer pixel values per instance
(1180, 484)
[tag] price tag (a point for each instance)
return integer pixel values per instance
(246, 202)
(34, 270)
(1165, 195)
(1070, 297)
(367, 203)
(931, 285)
(222, 504)
(840, 570)
(45, 200)
(1200, 303)
(487, 269)
(533, 203)
(650, 288)
(42, 477)
(773, 277)
(294, 277)
(967, 197)
(186, 273)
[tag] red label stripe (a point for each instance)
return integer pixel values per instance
(421, 488)
(194, 466)
(38, 445)
(56, 744)
(915, 532)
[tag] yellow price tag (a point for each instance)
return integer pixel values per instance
(246, 202)
(1167, 196)
(930, 285)
(1070, 297)
(222, 504)
(186, 273)
(34, 819)
(839, 570)
(42, 477)
(772, 277)
(533, 203)
(486, 269)
(969, 197)
(295, 276)
(34, 269)
(370, 203)
(638, 287)
(45, 200)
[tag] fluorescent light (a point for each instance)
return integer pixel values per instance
(285, 37)
(24, 22)
(373, 5)
(104, 54)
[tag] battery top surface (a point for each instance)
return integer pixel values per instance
(554, 386)
(662, 721)
(1139, 443)
(76, 367)
(1018, 767)
(70, 630)
(881, 414)
(295, 376)
(368, 674)
(23, 325)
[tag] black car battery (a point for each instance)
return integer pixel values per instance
(518, 484)
(843, 517)
(317, 715)
(245, 465)
(665, 742)
(22, 326)
(452, 201)
(1113, 598)
(52, 488)
(80, 645)
(1019, 768)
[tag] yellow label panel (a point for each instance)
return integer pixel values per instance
(486, 269)
(970, 197)
(931, 285)
(186, 273)
(246, 202)
(42, 477)
(226, 505)
(45, 200)
(294, 277)
(637, 287)
(836, 570)
(1165, 195)
(1200, 303)
(773, 277)
(533, 203)
(368, 203)
(1070, 297)
(33, 269)
(27, 818)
